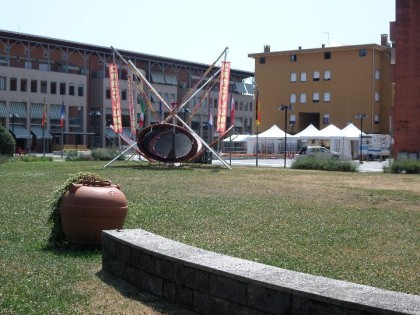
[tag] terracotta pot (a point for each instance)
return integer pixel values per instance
(87, 208)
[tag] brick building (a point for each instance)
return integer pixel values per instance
(405, 37)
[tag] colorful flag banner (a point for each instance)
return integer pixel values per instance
(131, 105)
(115, 98)
(257, 107)
(232, 112)
(210, 122)
(44, 115)
(223, 97)
(62, 115)
(142, 111)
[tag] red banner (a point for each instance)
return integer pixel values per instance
(131, 105)
(115, 97)
(223, 97)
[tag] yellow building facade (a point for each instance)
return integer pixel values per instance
(326, 85)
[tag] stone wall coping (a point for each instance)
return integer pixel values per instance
(333, 291)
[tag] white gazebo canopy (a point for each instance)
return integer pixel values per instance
(309, 132)
(352, 132)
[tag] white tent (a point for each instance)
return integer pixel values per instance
(330, 132)
(269, 141)
(352, 132)
(236, 138)
(309, 132)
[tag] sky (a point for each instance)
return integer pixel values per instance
(199, 30)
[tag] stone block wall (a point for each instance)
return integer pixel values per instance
(209, 283)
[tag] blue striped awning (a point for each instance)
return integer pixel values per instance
(18, 108)
(3, 109)
(55, 111)
(110, 134)
(37, 132)
(20, 132)
(37, 110)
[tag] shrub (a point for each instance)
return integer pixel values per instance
(73, 155)
(310, 163)
(404, 166)
(7, 143)
(34, 158)
(106, 154)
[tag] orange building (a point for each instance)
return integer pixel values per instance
(326, 85)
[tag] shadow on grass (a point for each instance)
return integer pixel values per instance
(166, 168)
(135, 294)
(74, 250)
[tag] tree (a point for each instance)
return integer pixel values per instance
(7, 143)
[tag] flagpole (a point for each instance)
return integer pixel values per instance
(43, 128)
(256, 160)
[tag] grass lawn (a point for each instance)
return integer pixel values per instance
(358, 227)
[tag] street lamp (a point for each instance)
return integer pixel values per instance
(361, 116)
(285, 108)
(185, 110)
(292, 124)
(13, 116)
(95, 114)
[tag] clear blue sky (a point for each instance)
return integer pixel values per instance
(197, 30)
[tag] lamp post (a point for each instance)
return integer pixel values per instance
(13, 116)
(361, 116)
(285, 108)
(95, 114)
(185, 110)
(292, 124)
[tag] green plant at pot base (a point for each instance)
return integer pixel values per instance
(57, 237)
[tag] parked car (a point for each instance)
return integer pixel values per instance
(319, 152)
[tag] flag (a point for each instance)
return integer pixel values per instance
(62, 114)
(232, 112)
(141, 120)
(131, 105)
(210, 122)
(257, 108)
(223, 97)
(44, 115)
(115, 97)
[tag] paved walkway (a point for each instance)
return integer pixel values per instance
(367, 166)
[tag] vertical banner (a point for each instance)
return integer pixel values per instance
(115, 98)
(223, 97)
(131, 105)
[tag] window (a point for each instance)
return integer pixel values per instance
(124, 95)
(376, 118)
(362, 52)
(303, 98)
(108, 93)
(292, 98)
(327, 55)
(13, 84)
(315, 97)
(377, 97)
(44, 87)
(62, 88)
(262, 60)
(293, 57)
(327, 97)
(377, 74)
(303, 77)
(23, 85)
(292, 119)
(53, 87)
(34, 86)
(316, 75)
(326, 119)
(2, 83)
(72, 89)
(293, 77)
(80, 90)
(327, 75)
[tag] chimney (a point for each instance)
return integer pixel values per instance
(266, 48)
(384, 39)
